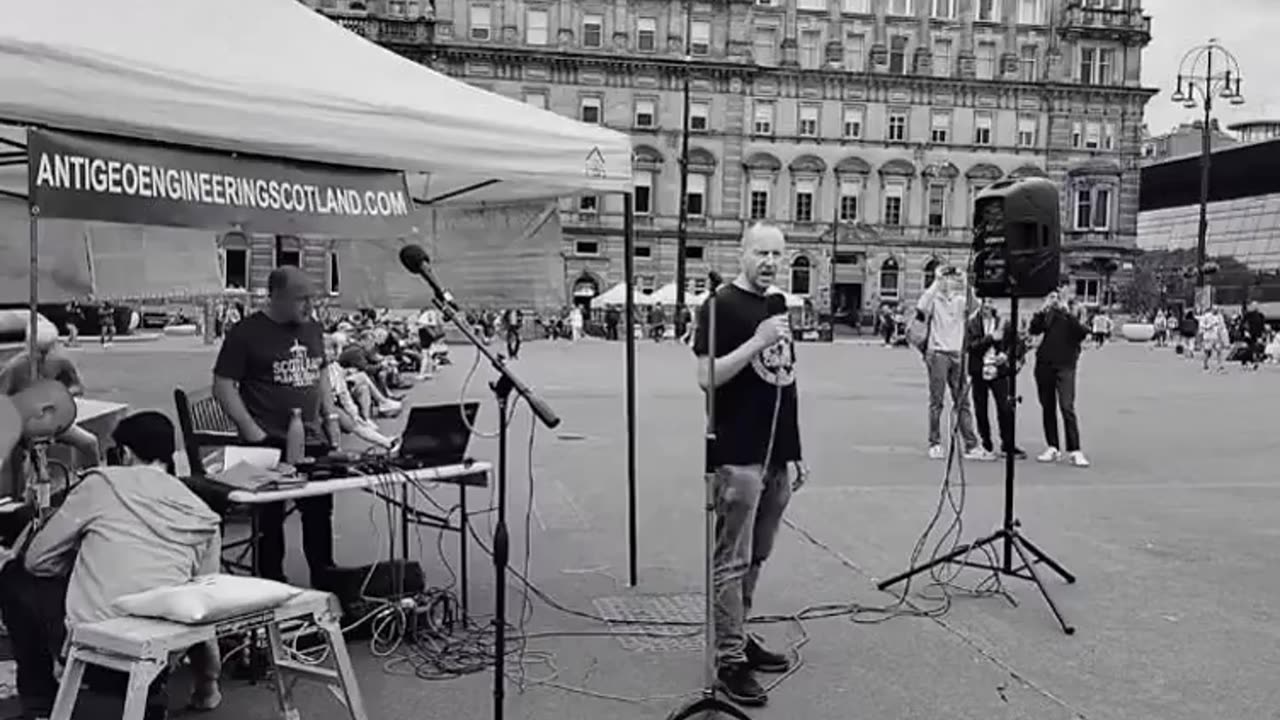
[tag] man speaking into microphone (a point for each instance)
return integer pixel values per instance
(757, 445)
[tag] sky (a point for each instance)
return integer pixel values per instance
(1248, 28)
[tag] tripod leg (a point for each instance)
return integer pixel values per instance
(1017, 542)
(710, 706)
(960, 551)
(1042, 557)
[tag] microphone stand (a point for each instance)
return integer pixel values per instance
(501, 387)
(710, 703)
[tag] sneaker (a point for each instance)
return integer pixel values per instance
(738, 683)
(390, 408)
(979, 454)
(1049, 455)
(1077, 459)
(936, 452)
(763, 659)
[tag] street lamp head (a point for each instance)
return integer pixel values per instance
(1178, 96)
(1190, 104)
(1237, 99)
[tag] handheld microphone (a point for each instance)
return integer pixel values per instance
(714, 280)
(415, 260)
(775, 303)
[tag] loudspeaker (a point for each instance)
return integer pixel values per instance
(1017, 239)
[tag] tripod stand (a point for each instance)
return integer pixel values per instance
(709, 703)
(1009, 535)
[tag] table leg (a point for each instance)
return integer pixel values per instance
(403, 570)
(464, 527)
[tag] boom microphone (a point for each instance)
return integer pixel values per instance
(415, 260)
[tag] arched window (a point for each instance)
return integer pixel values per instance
(800, 278)
(889, 279)
(930, 271)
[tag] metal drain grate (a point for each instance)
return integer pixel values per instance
(637, 611)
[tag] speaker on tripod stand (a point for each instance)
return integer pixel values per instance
(1017, 253)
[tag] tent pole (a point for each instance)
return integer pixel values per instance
(629, 270)
(34, 299)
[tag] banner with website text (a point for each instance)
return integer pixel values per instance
(88, 177)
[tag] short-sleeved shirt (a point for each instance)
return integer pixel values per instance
(745, 404)
(277, 367)
(15, 375)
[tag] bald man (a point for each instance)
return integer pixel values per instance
(271, 363)
(52, 364)
(757, 450)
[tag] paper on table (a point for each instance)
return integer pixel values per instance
(258, 457)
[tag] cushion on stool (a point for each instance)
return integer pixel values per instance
(208, 599)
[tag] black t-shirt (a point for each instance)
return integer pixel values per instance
(278, 368)
(745, 404)
(1255, 324)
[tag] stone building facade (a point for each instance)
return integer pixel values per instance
(864, 127)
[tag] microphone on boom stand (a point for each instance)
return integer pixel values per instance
(415, 260)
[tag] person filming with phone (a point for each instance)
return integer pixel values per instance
(1062, 332)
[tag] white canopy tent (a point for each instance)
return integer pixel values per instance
(273, 78)
(616, 295)
(793, 301)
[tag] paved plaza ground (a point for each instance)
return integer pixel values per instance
(1172, 534)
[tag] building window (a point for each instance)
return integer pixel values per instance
(930, 272)
(1093, 208)
(852, 124)
(809, 120)
(589, 110)
(1028, 125)
(855, 6)
(1093, 135)
(1030, 12)
(642, 192)
(898, 55)
(940, 127)
(889, 279)
(586, 247)
(694, 252)
(893, 196)
(645, 113)
(982, 124)
(806, 192)
(1088, 290)
(763, 123)
(986, 10)
(647, 34)
(481, 23)
(700, 38)
(237, 267)
(333, 279)
(764, 46)
(897, 128)
(759, 199)
(901, 7)
(1097, 66)
(942, 57)
(975, 189)
(1029, 64)
(696, 198)
(986, 65)
(1108, 136)
(592, 31)
(944, 9)
(811, 4)
(535, 29)
(1077, 134)
(854, 58)
(937, 218)
(588, 204)
(699, 114)
(288, 258)
(849, 192)
(800, 275)
(811, 50)
(644, 251)
(646, 283)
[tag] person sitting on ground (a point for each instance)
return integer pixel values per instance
(368, 396)
(121, 530)
(350, 417)
(53, 364)
(359, 354)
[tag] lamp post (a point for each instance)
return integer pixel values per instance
(682, 226)
(1206, 72)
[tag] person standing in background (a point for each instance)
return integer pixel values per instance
(942, 307)
(1063, 333)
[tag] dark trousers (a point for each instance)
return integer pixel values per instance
(998, 390)
(513, 342)
(1056, 387)
(34, 611)
(317, 531)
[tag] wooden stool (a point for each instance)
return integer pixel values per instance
(143, 647)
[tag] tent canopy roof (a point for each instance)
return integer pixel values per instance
(273, 78)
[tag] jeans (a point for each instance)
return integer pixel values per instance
(317, 531)
(945, 373)
(997, 389)
(749, 507)
(1057, 390)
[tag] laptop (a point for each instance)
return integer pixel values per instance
(437, 435)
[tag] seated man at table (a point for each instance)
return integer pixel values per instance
(52, 364)
(121, 530)
(271, 363)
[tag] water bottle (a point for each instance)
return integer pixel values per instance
(295, 442)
